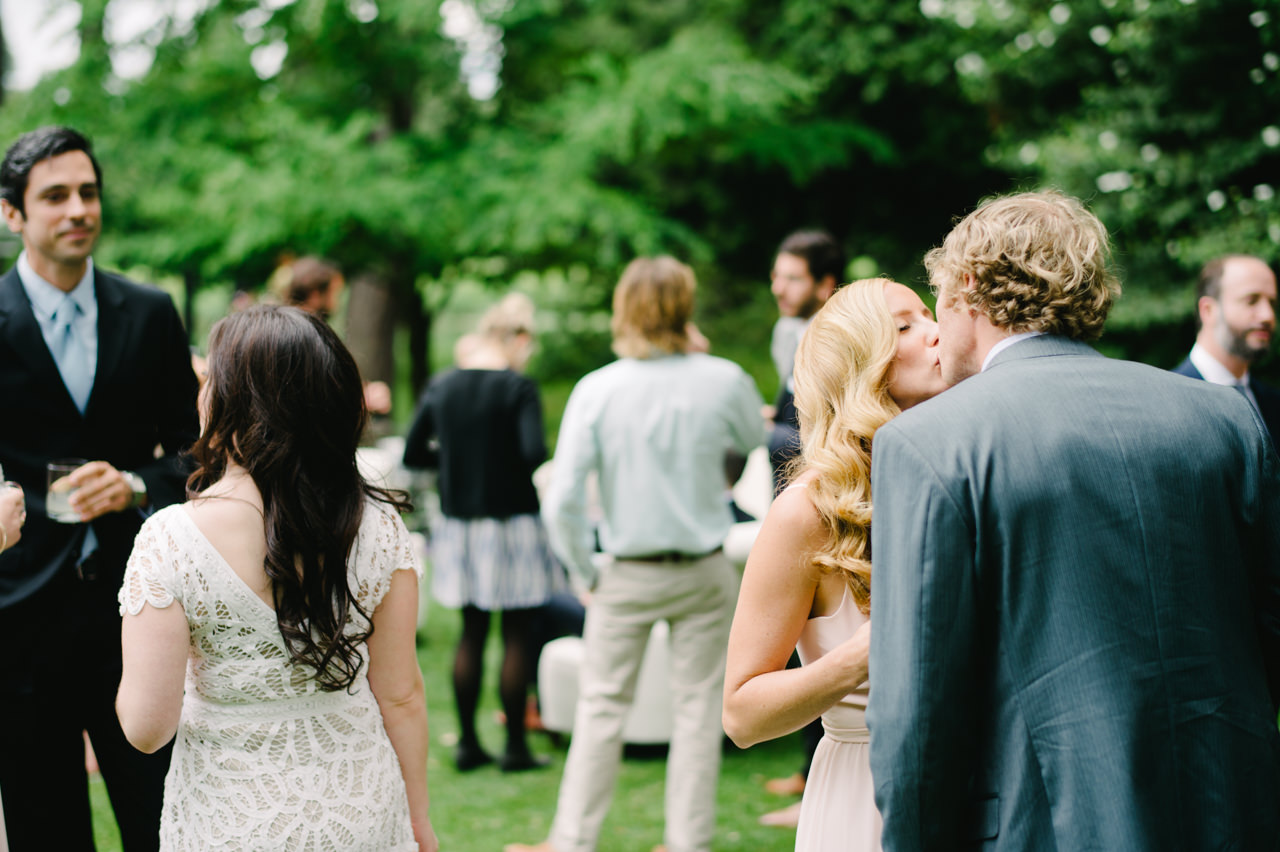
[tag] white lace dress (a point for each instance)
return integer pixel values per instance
(264, 760)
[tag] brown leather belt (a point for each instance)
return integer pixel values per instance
(669, 556)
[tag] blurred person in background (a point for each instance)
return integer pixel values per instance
(654, 427)
(1236, 313)
(480, 426)
(316, 286)
(807, 269)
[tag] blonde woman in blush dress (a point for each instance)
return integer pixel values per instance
(870, 352)
(282, 599)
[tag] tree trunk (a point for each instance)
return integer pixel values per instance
(419, 318)
(93, 42)
(371, 326)
(371, 335)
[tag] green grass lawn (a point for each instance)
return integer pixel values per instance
(482, 810)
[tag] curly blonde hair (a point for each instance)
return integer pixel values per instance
(1039, 262)
(652, 305)
(842, 396)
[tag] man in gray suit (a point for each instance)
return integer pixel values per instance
(1076, 604)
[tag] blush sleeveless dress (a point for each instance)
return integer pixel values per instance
(263, 759)
(838, 812)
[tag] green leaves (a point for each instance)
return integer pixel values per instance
(705, 128)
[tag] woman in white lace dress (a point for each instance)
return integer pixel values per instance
(282, 598)
(871, 352)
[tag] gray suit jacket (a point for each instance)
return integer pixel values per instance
(1076, 610)
(1268, 398)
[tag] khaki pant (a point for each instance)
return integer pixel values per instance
(697, 600)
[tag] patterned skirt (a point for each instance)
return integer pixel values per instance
(493, 563)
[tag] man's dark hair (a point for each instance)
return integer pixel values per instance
(820, 250)
(1210, 282)
(36, 147)
(309, 275)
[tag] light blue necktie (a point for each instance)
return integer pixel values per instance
(72, 357)
(70, 354)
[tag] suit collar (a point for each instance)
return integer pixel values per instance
(1004, 343)
(20, 330)
(18, 324)
(1186, 368)
(1044, 346)
(114, 325)
(46, 298)
(1213, 370)
(13, 298)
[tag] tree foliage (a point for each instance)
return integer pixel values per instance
(707, 128)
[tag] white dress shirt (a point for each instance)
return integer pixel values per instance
(1213, 371)
(45, 299)
(1004, 344)
(656, 432)
(784, 342)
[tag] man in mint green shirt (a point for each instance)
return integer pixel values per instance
(654, 428)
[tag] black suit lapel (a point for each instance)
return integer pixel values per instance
(18, 326)
(114, 324)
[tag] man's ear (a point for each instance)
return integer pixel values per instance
(13, 217)
(1207, 307)
(969, 284)
(826, 287)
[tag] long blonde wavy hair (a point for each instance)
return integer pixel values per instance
(842, 371)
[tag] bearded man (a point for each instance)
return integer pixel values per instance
(1236, 310)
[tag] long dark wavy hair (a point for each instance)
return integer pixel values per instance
(283, 399)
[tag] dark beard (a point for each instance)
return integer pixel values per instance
(1238, 346)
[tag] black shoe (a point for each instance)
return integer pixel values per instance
(522, 762)
(471, 757)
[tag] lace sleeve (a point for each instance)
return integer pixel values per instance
(391, 550)
(149, 576)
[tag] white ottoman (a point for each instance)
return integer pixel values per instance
(649, 721)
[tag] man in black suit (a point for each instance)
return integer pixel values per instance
(1236, 309)
(807, 269)
(92, 366)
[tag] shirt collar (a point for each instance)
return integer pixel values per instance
(804, 326)
(1213, 370)
(46, 298)
(1005, 344)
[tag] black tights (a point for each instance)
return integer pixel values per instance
(513, 684)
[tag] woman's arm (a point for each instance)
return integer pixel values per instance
(396, 682)
(155, 643)
(13, 513)
(763, 699)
